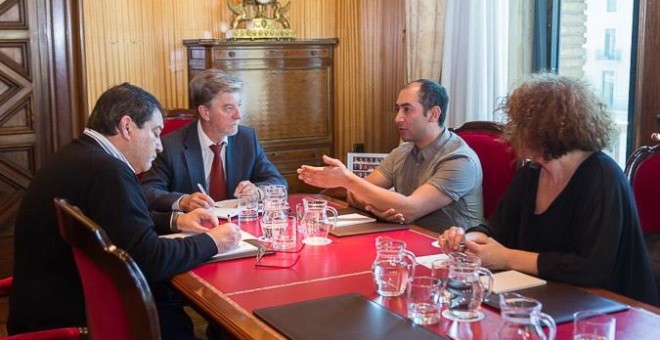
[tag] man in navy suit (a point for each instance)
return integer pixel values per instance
(172, 182)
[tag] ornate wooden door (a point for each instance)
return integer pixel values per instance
(41, 97)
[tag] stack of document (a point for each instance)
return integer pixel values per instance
(353, 219)
(225, 209)
(512, 280)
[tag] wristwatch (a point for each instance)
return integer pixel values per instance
(173, 221)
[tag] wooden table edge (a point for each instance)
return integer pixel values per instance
(218, 307)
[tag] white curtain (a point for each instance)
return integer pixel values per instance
(475, 64)
(424, 38)
(479, 50)
(521, 34)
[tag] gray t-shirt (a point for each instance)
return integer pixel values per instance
(449, 165)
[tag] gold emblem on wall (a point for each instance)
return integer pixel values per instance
(259, 19)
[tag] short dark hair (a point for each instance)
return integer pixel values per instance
(431, 94)
(121, 100)
(209, 83)
(554, 115)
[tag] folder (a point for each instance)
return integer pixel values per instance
(348, 316)
(560, 301)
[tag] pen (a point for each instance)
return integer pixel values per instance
(201, 189)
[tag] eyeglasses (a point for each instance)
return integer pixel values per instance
(279, 258)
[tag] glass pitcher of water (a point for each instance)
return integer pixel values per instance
(276, 206)
(465, 286)
(316, 219)
(523, 319)
(393, 266)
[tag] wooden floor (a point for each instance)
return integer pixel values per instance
(199, 322)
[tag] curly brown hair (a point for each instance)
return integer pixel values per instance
(553, 115)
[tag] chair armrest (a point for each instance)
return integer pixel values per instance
(5, 285)
(69, 333)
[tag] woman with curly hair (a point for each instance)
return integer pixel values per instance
(569, 214)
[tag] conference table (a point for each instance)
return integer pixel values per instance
(228, 292)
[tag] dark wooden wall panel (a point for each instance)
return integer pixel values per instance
(647, 100)
(41, 97)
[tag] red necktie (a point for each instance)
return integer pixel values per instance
(217, 185)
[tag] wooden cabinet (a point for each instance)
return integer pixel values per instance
(288, 95)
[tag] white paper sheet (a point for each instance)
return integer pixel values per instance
(512, 280)
(225, 209)
(428, 259)
(353, 219)
(242, 245)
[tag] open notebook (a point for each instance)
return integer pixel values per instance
(247, 247)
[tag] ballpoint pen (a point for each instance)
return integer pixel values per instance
(201, 189)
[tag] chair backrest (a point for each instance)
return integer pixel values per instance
(118, 300)
(177, 118)
(643, 171)
(498, 160)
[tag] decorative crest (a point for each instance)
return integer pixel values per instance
(259, 19)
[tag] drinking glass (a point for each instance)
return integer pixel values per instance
(248, 204)
(284, 230)
(440, 271)
(248, 224)
(424, 294)
(592, 325)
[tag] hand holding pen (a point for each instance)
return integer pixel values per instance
(199, 199)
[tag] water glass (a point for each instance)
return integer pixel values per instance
(592, 325)
(275, 193)
(424, 295)
(266, 231)
(283, 232)
(248, 204)
(440, 272)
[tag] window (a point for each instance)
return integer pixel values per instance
(609, 51)
(598, 48)
(607, 88)
(611, 5)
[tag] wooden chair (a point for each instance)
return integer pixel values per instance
(498, 161)
(58, 333)
(643, 171)
(178, 118)
(118, 300)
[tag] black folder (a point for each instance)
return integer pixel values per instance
(367, 228)
(348, 316)
(560, 301)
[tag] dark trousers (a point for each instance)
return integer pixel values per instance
(174, 322)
